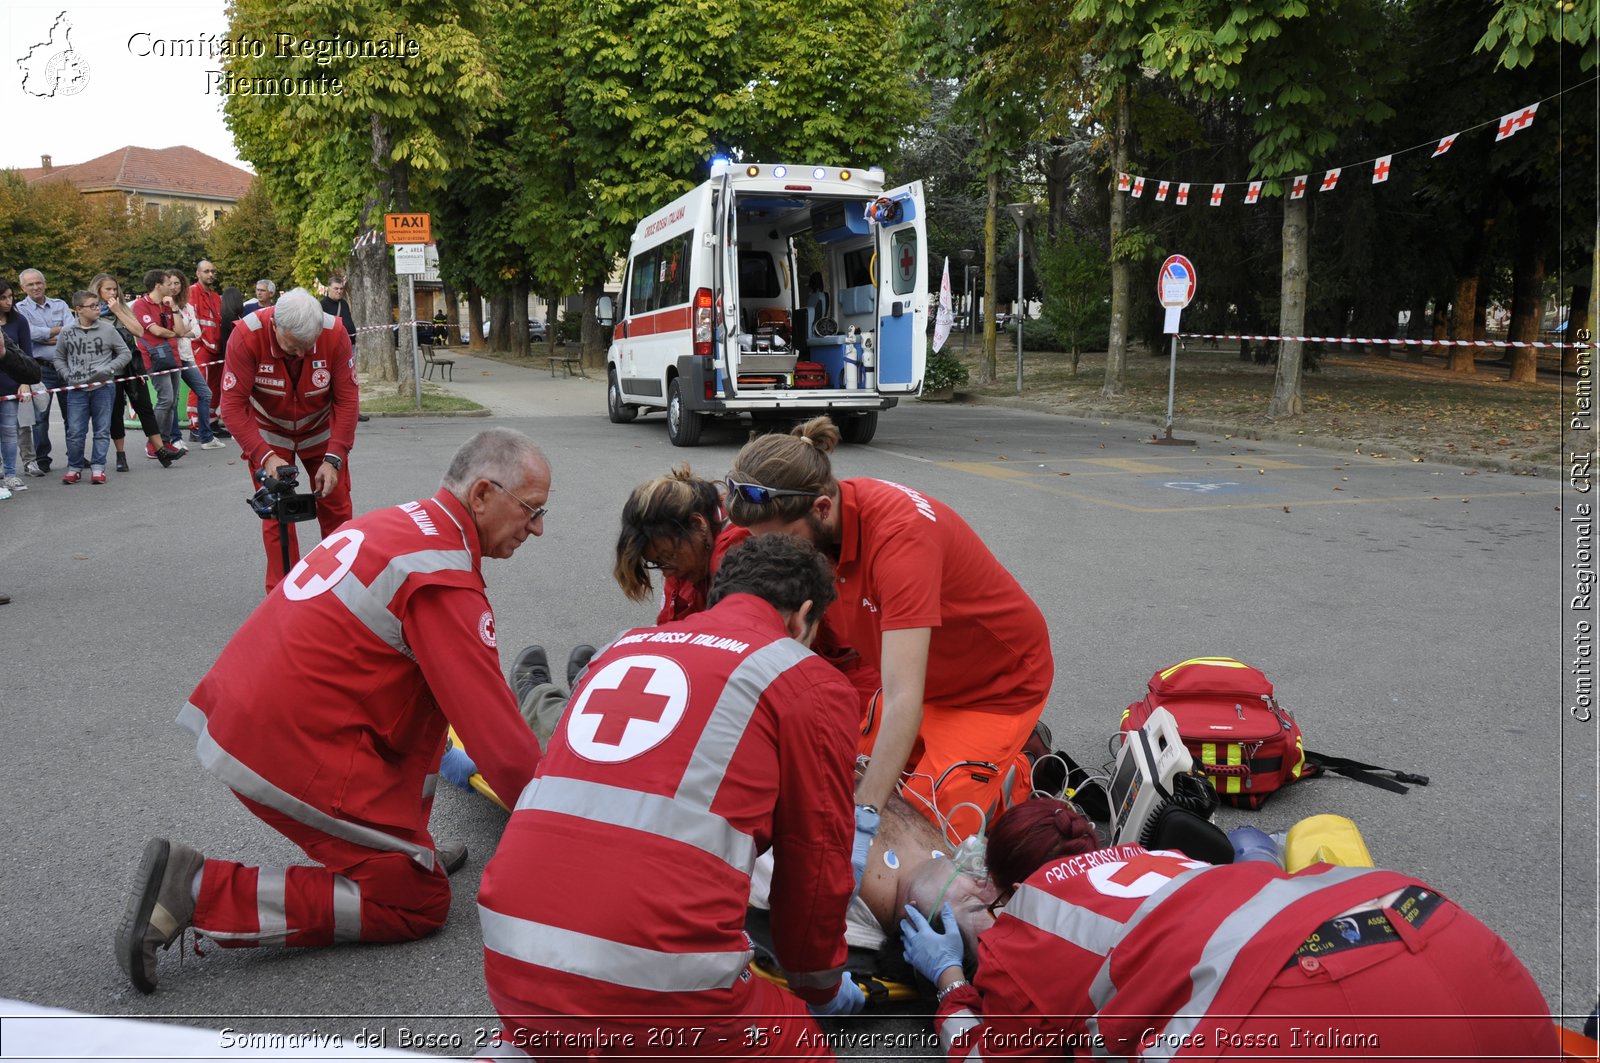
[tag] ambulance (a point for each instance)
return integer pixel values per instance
(777, 291)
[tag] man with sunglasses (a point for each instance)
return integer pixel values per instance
(963, 651)
(289, 392)
(326, 714)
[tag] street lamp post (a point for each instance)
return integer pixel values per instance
(1022, 212)
(966, 254)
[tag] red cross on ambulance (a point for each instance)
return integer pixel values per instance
(627, 708)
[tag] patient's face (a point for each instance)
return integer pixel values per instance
(969, 898)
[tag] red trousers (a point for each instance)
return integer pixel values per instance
(331, 512)
(1450, 989)
(358, 894)
(768, 1022)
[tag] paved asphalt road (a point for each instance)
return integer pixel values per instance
(1411, 615)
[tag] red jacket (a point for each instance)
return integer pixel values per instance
(273, 401)
(685, 751)
(330, 703)
(208, 312)
(1127, 954)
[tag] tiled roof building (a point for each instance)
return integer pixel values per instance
(159, 177)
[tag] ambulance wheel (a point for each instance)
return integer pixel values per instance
(619, 411)
(683, 426)
(859, 429)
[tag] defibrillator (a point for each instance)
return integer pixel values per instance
(1150, 758)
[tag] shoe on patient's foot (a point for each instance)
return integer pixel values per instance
(452, 856)
(531, 668)
(160, 908)
(577, 661)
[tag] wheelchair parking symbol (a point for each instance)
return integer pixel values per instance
(1213, 487)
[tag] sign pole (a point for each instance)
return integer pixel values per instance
(416, 355)
(409, 234)
(1175, 286)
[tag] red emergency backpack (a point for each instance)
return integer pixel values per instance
(1247, 744)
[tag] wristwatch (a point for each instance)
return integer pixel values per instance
(334, 460)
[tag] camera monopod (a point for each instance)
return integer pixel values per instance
(276, 499)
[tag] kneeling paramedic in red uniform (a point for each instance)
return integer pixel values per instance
(289, 392)
(326, 714)
(613, 911)
(1122, 953)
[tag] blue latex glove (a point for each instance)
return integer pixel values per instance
(849, 1000)
(457, 767)
(930, 951)
(866, 830)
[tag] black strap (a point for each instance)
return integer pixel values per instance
(1363, 772)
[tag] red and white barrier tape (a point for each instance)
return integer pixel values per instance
(1540, 344)
(37, 390)
(391, 328)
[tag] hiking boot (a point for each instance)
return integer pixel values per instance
(452, 856)
(577, 661)
(531, 668)
(122, 462)
(160, 908)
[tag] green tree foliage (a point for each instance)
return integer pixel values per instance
(53, 228)
(1076, 274)
(251, 242)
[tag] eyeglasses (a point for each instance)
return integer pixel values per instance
(758, 495)
(534, 512)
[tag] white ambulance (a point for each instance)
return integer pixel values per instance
(723, 314)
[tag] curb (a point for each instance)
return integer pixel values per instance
(1276, 435)
(431, 413)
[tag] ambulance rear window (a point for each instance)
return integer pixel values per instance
(758, 277)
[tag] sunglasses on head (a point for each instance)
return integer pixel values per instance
(756, 494)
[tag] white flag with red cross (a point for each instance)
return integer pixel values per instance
(1161, 191)
(1298, 191)
(1515, 122)
(945, 321)
(1330, 180)
(1380, 170)
(1253, 193)
(1445, 144)
(1183, 194)
(1124, 182)
(1138, 187)
(1216, 194)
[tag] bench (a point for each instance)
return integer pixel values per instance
(430, 359)
(568, 359)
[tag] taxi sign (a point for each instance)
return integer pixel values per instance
(1175, 284)
(407, 229)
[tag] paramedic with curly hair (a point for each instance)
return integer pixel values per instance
(614, 908)
(1122, 953)
(963, 651)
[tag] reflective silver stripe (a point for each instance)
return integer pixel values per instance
(1088, 930)
(816, 979)
(609, 961)
(618, 806)
(346, 910)
(291, 424)
(295, 446)
(271, 916)
(369, 603)
(726, 726)
(430, 785)
(328, 321)
(253, 321)
(237, 775)
(1235, 932)
(959, 1022)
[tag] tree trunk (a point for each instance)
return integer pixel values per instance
(1527, 294)
(594, 339)
(475, 318)
(1117, 348)
(369, 281)
(500, 322)
(552, 320)
(1292, 316)
(452, 313)
(519, 318)
(1463, 360)
(1580, 319)
(991, 266)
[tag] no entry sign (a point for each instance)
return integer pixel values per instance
(1175, 285)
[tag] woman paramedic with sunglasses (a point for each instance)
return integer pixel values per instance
(1122, 953)
(963, 651)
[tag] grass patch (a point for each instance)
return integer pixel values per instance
(1380, 402)
(432, 402)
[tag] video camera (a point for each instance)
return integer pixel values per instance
(276, 498)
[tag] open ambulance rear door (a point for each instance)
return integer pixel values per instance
(902, 291)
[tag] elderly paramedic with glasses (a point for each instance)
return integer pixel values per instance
(289, 393)
(614, 907)
(963, 651)
(1123, 953)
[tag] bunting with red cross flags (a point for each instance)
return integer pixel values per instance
(1506, 126)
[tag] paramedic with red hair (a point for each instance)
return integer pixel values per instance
(963, 651)
(614, 908)
(1122, 953)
